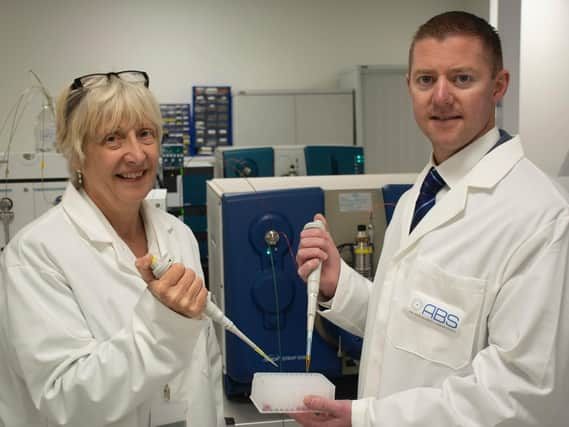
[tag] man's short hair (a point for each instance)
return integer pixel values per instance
(463, 24)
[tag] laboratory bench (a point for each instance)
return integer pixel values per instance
(241, 412)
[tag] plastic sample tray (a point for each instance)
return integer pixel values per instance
(283, 392)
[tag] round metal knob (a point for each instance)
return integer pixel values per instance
(6, 204)
(272, 237)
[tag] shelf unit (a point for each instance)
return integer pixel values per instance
(176, 124)
(211, 121)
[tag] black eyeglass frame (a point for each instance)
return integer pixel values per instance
(75, 96)
(78, 82)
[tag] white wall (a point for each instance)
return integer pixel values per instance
(544, 86)
(506, 16)
(248, 44)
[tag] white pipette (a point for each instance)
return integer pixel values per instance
(160, 266)
(312, 287)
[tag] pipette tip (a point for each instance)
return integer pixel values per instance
(266, 357)
(308, 349)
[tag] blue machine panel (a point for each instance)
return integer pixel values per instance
(334, 160)
(391, 195)
(195, 186)
(248, 162)
(264, 295)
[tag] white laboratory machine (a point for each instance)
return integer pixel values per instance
(30, 184)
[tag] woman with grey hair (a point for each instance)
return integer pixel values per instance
(88, 337)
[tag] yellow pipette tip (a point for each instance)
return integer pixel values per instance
(307, 363)
(266, 357)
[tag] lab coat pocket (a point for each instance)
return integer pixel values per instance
(435, 314)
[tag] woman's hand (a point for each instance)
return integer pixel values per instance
(179, 288)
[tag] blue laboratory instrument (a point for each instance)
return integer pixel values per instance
(160, 266)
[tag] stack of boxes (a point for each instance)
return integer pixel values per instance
(211, 124)
(176, 118)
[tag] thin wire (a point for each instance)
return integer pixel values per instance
(16, 114)
(51, 106)
(274, 274)
(275, 289)
(45, 93)
(12, 110)
(290, 251)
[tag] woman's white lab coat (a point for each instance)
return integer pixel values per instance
(467, 321)
(82, 340)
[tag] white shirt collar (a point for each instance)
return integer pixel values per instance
(151, 237)
(459, 164)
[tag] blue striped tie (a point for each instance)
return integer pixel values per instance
(431, 185)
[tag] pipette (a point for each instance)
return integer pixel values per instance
(312, 287)
(160, 266)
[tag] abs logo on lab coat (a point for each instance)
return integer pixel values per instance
(435, 312)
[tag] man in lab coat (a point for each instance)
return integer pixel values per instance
(467, 320)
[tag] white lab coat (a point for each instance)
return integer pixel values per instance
(493, 255)
(82, 340)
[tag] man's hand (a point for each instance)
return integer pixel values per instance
(329, 413)
(316, 246)
(179, 288)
